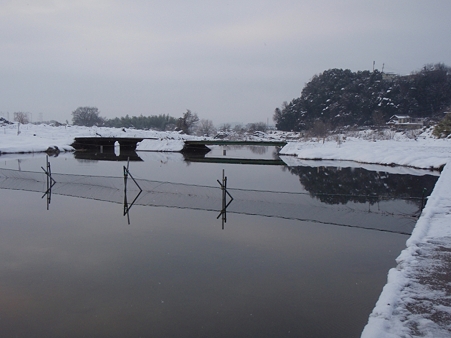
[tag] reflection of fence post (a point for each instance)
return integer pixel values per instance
(125, 192)
(224, 189)
(50, 182)
(223, 212)
(126, 205)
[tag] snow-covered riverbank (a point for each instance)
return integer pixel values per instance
(423, 152)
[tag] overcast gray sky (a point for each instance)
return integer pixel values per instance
(227, 61)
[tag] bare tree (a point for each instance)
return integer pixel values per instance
(239, 129)
(87, 116)
(257, 126)
(319, 129)
(205, 128)
(225, 127)
(21, 117)
(187, 122)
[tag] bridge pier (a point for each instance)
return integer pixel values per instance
(195, 149)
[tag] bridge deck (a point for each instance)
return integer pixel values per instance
(107, 143)
(241, 143)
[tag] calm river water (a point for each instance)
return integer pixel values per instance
(300, 251)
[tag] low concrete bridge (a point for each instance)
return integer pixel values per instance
(105, 144)
(201, 146)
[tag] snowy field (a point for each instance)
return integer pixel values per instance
(416, 301)
(30, 138)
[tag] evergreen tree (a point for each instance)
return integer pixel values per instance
(158, 122)
(443, 128)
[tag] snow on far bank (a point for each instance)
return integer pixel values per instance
(422, 153)
(293, 161)
(30, 138)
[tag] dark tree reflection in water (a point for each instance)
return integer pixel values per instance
(334, 185)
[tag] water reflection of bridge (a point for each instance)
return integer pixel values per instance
(282, 205)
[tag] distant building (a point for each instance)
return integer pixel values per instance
(389, 76)
(405, 122)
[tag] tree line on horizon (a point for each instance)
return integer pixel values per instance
(90, 116)
(188, 123)
(158, 122)
(340, 98)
